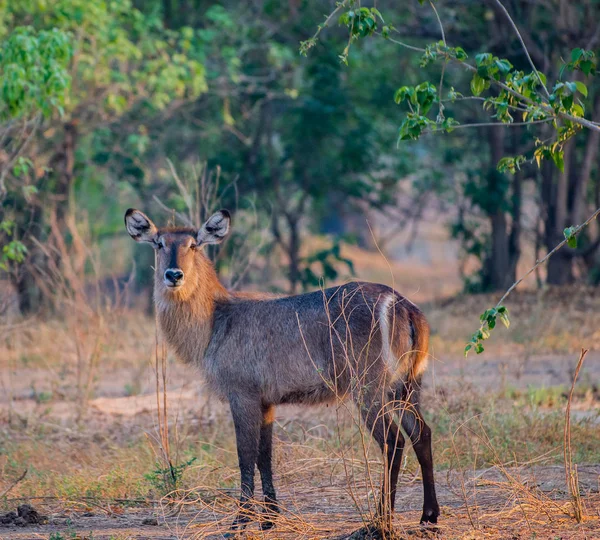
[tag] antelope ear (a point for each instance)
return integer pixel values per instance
(140, 226)
(215, 229)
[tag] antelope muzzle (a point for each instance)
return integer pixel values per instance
(173, 277)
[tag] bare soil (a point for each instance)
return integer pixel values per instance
(499, 502)
(475, 504)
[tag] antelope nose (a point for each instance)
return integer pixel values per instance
(174, 275)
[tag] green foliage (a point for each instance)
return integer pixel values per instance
(327, 261)
(488, 67)
(107, 68)
(563, 94)
(511, 164)
(361, 22)
(13, 250)
(516, 90)
(419, 100)
(581, 60)
(488, 322)
(122, 50)
(439, 50)
(167, 479)
(34, 68)
(570, 236)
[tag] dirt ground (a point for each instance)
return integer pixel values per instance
(476, 504)
(529, 501)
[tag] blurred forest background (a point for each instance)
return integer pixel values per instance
(188, 105)
(181, 107)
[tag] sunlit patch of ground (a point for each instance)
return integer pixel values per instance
(78, 412)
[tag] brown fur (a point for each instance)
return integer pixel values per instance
(257, 351)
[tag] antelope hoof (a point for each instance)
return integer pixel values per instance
(269, 514)
(429, 520)
(234, 532)
(266, 525)
(238, 525)
(368, 532)
(430, 516)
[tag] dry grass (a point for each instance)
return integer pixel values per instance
(553, 320)
(79, 413)
(492, 451)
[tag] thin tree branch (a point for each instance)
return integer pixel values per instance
(501, 6)
(542, 261)
(570, 469)
(547, 108)
(9, 488)
(401, 43)
(491, 124)
(439, 22)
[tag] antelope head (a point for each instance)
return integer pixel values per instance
(181, 264)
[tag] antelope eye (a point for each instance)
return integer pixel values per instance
(158, 245)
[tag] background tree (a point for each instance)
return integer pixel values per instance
(554, 104)
(311, 141)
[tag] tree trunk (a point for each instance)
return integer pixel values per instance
(294, 255)
(499, 260)
(497, 268)
(582, 179)
(514, 241)
(62, 166)
(560, 266)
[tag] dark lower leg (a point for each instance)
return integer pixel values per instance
(390, 440)
(420, 436)
(247, 418)
(265, 456)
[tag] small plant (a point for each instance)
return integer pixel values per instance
(488, 322)
(168, 479)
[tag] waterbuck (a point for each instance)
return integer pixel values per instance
(359, 340)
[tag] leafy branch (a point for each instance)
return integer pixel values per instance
(526, 93)
(517, 93)
(489, 316)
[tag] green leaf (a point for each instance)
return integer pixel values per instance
(569, 233)
(484, 59)
(510, 164)
(571, 86)
(567, 102)
(582, 88)
(504, 66)
(477, 85)
(587, 66)
(460, 54)
(576, 54)
(558, 158)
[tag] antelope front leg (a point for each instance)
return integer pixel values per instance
(247, 418)
(265, 457)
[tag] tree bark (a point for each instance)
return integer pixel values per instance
(582, 179)
(62, 166)
(294, 255)
(497, 269)
(560, 266)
